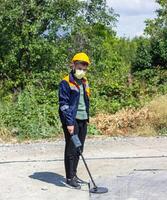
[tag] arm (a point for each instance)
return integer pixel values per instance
(64, 98)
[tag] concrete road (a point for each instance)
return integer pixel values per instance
(131, 168)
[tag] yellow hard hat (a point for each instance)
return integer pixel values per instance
(81, 57)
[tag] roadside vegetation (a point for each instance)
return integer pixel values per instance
(128, 77)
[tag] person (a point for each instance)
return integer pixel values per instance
(74, 93)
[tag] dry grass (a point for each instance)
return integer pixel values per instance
(147, 121)
(5, 134)
(150, 120)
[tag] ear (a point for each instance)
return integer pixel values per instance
(72, 65)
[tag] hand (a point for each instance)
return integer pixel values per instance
(70, 129)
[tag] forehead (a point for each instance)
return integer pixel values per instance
(82, 65)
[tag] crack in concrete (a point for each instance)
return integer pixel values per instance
(97, 158)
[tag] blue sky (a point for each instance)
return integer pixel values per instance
(133, 13)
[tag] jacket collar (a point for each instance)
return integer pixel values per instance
(71, 77)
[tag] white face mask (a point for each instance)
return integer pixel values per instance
(79, 74)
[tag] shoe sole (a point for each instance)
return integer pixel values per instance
(72, 187)
(83, 183)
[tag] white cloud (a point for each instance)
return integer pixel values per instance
(133, 7)
(131, 26)
(132, 13)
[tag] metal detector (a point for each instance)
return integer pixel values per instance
(95, 189)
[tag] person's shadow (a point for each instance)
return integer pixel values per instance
(50, 177)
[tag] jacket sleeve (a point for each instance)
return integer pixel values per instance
(64, 99)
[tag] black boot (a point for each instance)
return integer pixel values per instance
(78, 180)
(73, 183)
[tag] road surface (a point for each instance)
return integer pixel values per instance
(131, 168)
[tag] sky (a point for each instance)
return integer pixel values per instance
(133, 13)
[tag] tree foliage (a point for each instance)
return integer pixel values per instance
(37, 41)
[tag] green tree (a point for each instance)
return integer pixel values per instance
(26, 36)
(157, 30)
(143, 59)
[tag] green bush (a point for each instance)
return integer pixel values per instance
(28, 118)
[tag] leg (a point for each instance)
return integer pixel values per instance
(76, 131)
(82, 131)
(69, 154)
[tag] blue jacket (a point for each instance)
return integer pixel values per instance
(69, 93)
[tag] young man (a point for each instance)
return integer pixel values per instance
(74, 95)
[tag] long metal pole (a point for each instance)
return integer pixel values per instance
(95, 187)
